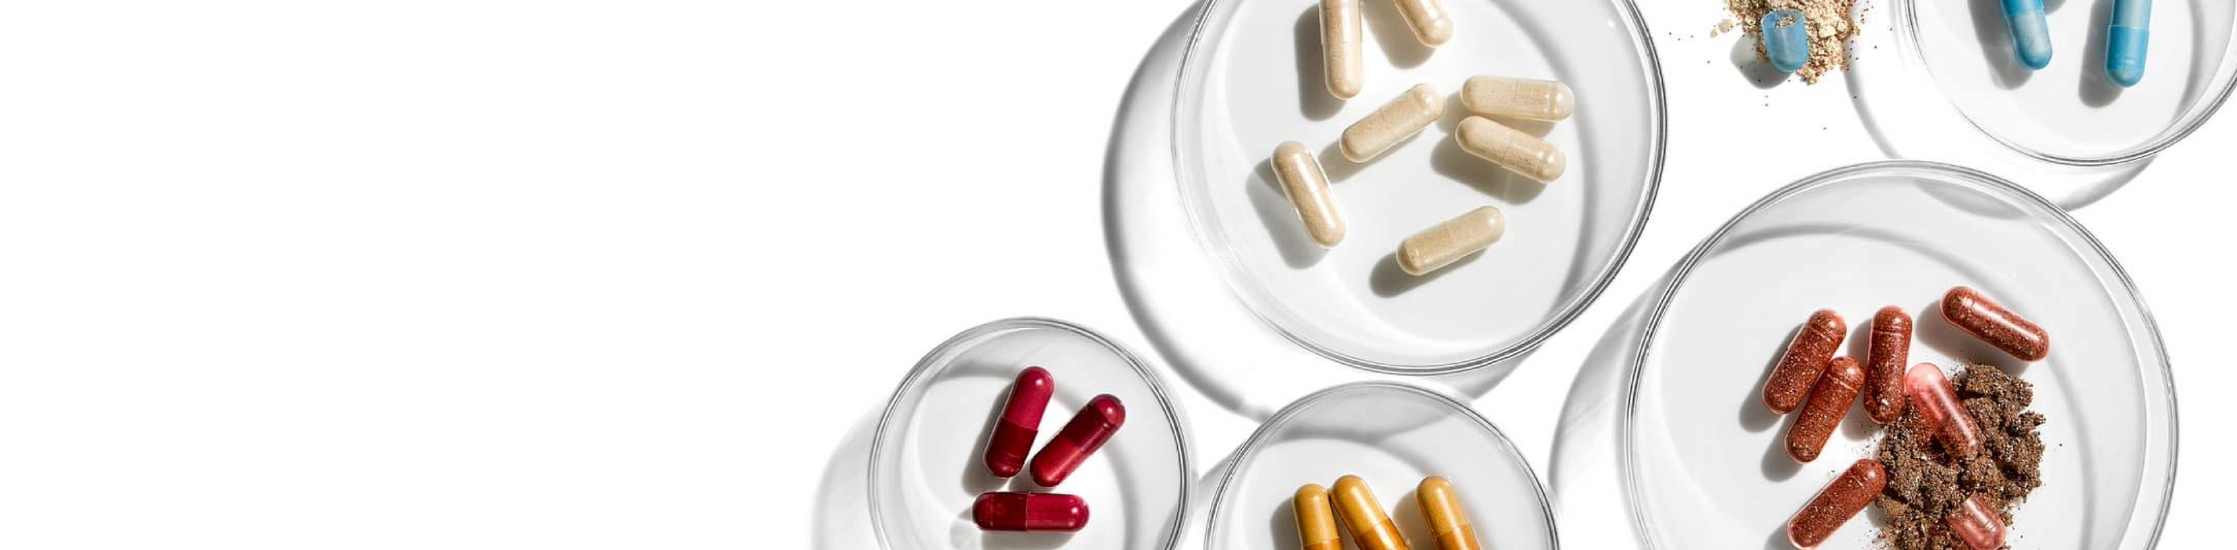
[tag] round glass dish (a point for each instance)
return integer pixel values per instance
(1251, 79)
(1703, 460)
(1391, 435)
(927, 463)
(2069, 112)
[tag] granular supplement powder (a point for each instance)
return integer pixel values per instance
(1830, 30)
(1925, 485)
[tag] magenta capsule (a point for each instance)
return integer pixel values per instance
(1006, 511)
(1020, 422)
(1978, 524)
(1968, 310)
(1087, 432)
(1938, 404)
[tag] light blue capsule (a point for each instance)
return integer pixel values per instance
(2126, 40)
(1786, 39)
(2031, 35)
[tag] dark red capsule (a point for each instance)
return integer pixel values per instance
(1087, 432)
(1805, 359)
(1890, 354)
(1020, 422)
(1005, 511)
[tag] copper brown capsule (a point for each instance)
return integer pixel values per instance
(1828, 403)
(1968, 310)
(1371, 528)
(1806, 357)
(1836, 503)
(1890, 353)
(1316, 521)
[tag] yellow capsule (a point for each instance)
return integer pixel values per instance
(1441, 505)
(1316, 523)
(1448, 242)
(1340, 38)
(1517, 97)
(1393, 122)
(1307, 187)
(1428, 18)
(1510, 148)
(1371, 529)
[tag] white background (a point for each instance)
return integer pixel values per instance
(483, 273)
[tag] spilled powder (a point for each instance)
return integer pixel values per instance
(1925, 485)
(1830, 30)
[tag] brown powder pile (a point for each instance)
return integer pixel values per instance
(1830, 30)
(1925, 485)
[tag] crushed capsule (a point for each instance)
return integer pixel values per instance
(1371, 529)
(1440, 504)
(1968, 310)
(1020, 422)
(1828, 403)
(1977, 524)
(1883, 373)
(1511, 149)
(1307, 187)
(1087, 432)
(1009, 511)
(1836, 503)
(1395, 121)
(1938, 405)
(1805, 358)
(1523, 98)
(1316, 521)
(1340, 38)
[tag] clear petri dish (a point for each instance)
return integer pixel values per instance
(2069, 112)
(1251, 79)
(1703, 460)
(1391, 435)
(926, 457)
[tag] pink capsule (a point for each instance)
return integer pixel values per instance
(1978, 524)
(1967, 309)
(1020, 422)
(1087, 432)
(1938, 404)
(1006, 511)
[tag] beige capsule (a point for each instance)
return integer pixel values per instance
(1340, 39)
(1523, 98)
(1448, 242)
(1307, 187)
(1523, 153)
(1428, 18)
(1403, 117)
(1316, 520)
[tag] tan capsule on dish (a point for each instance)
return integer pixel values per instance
(1510, 148)
(1307, 186)
(1371, 528)
(1428, 18)
(1403, 117)
(1340, 39)
(1440, 505)
(1806, 357)
(1523, 98)
(1448, 242)
(1316, 521)
(1829, 401)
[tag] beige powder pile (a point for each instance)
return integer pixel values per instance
(1830, 30)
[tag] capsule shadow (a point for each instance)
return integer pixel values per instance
(1313, 97)
(1995, 36)
(1754, 415)
(1389, 29)
(1339, 168)
(1777, 466)
(1389, 281)
(1747, 59)
(976, 478)
(1284, 524)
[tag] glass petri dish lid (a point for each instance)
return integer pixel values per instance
(1392, 436)
(926, 457)
(1703, 460)
(1251, 79)
(2070, 112)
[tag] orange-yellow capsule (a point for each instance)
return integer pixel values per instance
(1441, 505)
(1371, 528)
(1316, 522)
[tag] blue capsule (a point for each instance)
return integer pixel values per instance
(2031, 35)
(2126, 39)
(1786, 39)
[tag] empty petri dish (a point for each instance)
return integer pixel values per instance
(1392, 436)
(1703, 460)
(926, 457)
(2070, 112)
(1251, 79)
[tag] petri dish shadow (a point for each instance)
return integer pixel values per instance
(1996, 42)
(1747, 59)
(842, 497)
(1280, 216)
(1389, 29)
(1313, 96)
(2097, 90)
